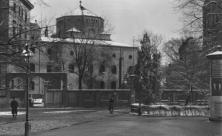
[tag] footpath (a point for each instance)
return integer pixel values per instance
(43, 120)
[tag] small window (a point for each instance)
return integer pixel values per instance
(113, 85)
(32, 85)
(102, 68)
(49, 68)
(49, 51)
(12, 84)
(71, 53)
(102, 85)
(114, 55)
(114, 69)
(71, 68)
(32, 67)
(130, 56)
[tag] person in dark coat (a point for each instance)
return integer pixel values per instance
(111, 104)
(14, 107)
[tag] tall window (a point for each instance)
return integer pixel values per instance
(102, 68)
(113, 69)
(102, 85)
(14, 28)
(113, 85)
(20, 31)
(32, 85)
(12, 84)
(71, 53)
(26, 17)
(49, 68)
(71, 68)
(49, 51)
(32, 67)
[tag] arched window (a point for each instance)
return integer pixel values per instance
(71, 68)
(113, 85)
(114, 69)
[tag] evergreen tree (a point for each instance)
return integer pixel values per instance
(147, 71)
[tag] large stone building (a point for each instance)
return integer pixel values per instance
(212, 24)
(14, 27)
(15, 19)
(54, 68)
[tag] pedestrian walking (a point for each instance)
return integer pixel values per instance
(14, 107)
(111, 104)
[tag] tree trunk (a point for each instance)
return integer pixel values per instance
(80, 82)
(79, 96)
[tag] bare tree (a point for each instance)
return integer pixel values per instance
(186, 70)
(192, 15)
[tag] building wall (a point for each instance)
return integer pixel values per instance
(81, 23)
(14, 19)
(212, 25)
(110, 55)
(4, 11)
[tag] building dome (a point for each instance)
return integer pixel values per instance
(81, 20)
(83, 11)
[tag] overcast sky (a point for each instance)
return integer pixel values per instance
(128, 17)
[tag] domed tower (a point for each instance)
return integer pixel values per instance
(81, 22)
(212, 23)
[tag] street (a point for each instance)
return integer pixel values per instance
(129, 125)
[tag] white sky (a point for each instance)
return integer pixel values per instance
(128, 17)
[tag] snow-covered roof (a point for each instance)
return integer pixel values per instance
(216, 54)
(97, 42)
(83, 11)
(73, 30)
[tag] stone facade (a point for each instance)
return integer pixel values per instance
(15, 17)
(14, 30)
(212, 18)
(55, 56)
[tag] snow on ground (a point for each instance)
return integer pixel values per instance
(8, 113)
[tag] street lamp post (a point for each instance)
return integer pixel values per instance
(27, 54)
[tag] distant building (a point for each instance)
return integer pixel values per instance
(14, 28)
(53, 69)
(212, 24)
(15, 19)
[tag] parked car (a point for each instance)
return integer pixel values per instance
(37, 100)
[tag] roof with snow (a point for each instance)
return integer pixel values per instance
(83, 11)
(215, 55)
(88, 41)
(73, 30)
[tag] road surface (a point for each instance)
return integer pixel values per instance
(129, 125)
